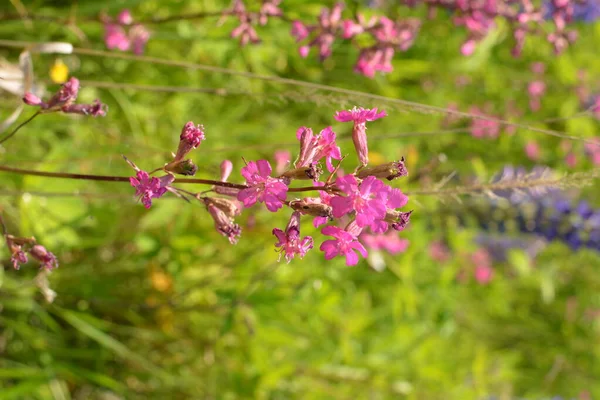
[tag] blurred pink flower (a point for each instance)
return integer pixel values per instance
(532, 150)
(483, 266)
(438, 251)
(123, 35)
(389, 242)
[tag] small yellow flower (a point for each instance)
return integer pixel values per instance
(59, 72)
(161, 281)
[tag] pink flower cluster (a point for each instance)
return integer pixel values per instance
(64, 100)
(19, 248)
(248, 20)
(360, 201)
(123, 34)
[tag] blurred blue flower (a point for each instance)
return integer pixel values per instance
(547, 213)
(583, 10)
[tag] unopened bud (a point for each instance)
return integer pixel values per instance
(230, 207)
(32, 100)
(398, 219)
(312, 207)
(183, 167)
(312, 172)
(223, 224)
(389, 171)
(96, 109)
(46, 258)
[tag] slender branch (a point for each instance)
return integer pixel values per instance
(28, 120)
(577, 179)
(109, 178)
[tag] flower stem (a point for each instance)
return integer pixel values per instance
(28, 120)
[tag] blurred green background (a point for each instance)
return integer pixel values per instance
(156, 304)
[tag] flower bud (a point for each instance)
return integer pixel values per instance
(389, 171)
(312, 207)
(96, 109)
(65, 96)
(312, 172)
(398, 219)
(183, 167)
(224, 225)
(190, 138)
(32, 100)
(230, 207)
(46, 258)
(226, 168)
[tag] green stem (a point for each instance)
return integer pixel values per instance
(19, 127)
(109, 178)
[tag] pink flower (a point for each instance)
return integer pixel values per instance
(32, 100)
(313, 148)
(147, 188)
(324, 31)
(389, 242)
(96, 109)
(360, 116)
(439, 252)
(468, 47)
(483, 274)
(66, 95)
(46, 258)
(289, 241)
(351, 29)
(593, 151)
(536, 90)
(368, 199)
(63, 100)
(190, 138)
(123, 35)
(483, 266)
(223, 223)
(299, 31)
(226, 168)
(327, 147)
(18, 256)
(532, 150)
(269, 8)
(282, 161)
(393, 198)
(124, 17)
(571, 160)
(596, 107)
(139, 36)
(483, 127)
(263, 187)
(345, 243)
(115, 37)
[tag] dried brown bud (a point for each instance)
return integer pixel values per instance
(312, 207)
(182, 167)
(389, 171)
(398, 219)
(312, 172)
(230, 207)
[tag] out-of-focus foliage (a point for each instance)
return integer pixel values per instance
(156, 304)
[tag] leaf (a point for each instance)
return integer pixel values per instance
(19, 391)
(109, 342)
